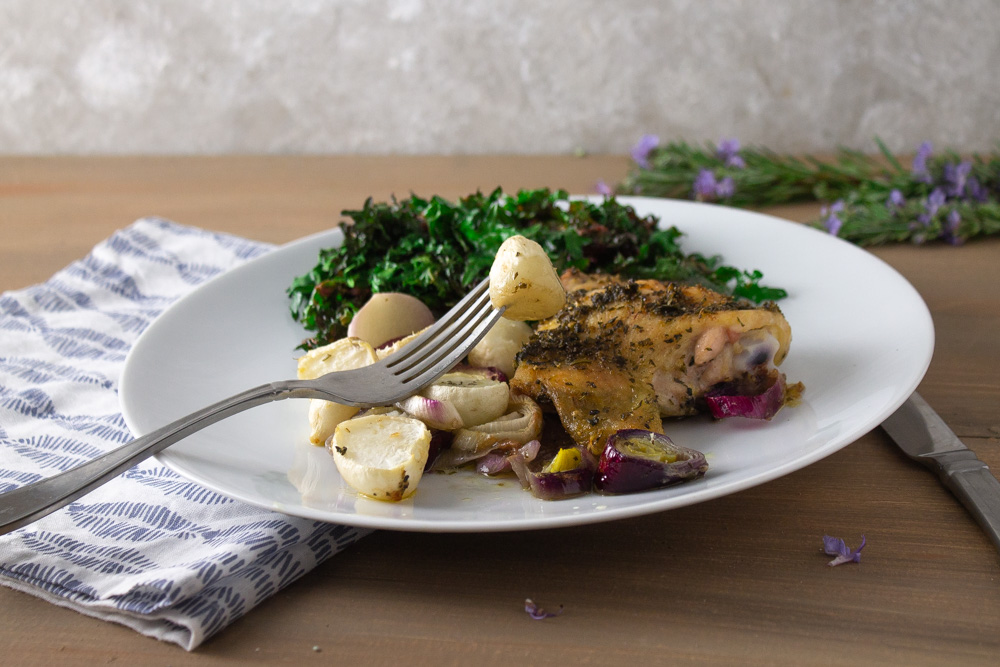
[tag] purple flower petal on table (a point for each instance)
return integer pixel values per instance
(537, 613)
(834, 546)
(640, 152)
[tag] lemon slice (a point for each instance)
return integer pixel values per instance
(381, 456)
(477, 399)
(340, 355)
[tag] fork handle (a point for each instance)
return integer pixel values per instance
(33, 501)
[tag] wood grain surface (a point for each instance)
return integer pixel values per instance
(737, 580)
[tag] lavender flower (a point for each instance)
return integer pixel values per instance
(704, 185)
(707, 188)
(955, 177)
(919, 168)
(727, 148)
(640, 152)
(953, 219)
(833, 224)
(603, 188)
(950, 233)
(835, 207)
(935, 200)
(976, 190)
(834, 546)
(728, 152)
(831, 220)
(725, 188)
(896, 199)
(537, 613)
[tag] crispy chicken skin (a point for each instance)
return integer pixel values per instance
(626, 353)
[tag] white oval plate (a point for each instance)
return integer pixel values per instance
(862, 339)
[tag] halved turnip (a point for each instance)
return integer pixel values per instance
(500, 345)
(341, 355)
(381, 456)
(523, 280)
(387, 316)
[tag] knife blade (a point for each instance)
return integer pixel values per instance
(923, 436)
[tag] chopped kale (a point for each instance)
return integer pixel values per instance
(436, 250)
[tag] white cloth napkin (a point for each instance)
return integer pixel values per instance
(150, 549)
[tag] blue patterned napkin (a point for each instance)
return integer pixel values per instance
(150, 549)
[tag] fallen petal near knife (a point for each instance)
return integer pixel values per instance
(923, 436)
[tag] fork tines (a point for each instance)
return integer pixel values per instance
(435, 351)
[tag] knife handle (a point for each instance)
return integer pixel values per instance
(972, 483)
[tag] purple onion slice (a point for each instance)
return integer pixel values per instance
(436, 414)
(498, 461)
(440, 442)
(547, 484)
(758, 406)
(636, 460)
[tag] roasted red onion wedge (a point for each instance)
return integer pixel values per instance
(556, 479)
(440, 442)
(436, 414)
(758, 406)
(498, 461)
(522, 424)
(636, 460)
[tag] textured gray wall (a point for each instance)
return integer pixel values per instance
(508, 76)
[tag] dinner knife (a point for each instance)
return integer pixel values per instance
(925, 438)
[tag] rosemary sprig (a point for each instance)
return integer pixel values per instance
(870, 199)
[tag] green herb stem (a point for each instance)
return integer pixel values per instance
(871, 199)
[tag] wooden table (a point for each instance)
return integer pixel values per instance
(738, 580)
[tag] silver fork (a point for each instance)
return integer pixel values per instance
(418, 364)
